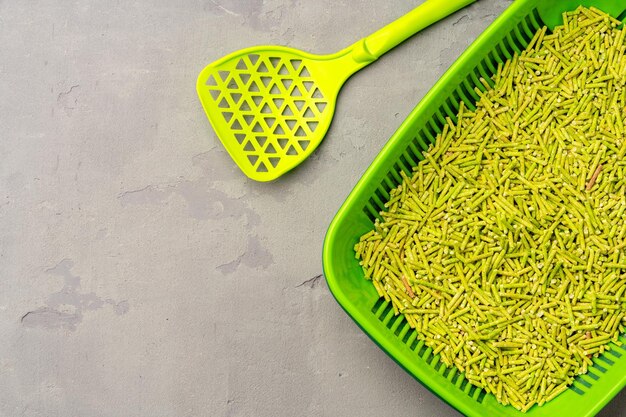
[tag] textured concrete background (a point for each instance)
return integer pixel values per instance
(140, 273)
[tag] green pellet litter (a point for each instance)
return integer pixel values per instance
(505, 249)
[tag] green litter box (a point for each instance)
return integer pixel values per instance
(510, 33)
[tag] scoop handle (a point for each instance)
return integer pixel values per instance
(408, 25)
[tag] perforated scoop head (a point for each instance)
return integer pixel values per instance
(269, 107)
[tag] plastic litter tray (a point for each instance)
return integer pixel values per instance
(510, 33)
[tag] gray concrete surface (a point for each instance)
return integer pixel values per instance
(140, 273)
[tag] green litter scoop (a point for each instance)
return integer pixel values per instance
(271, 106)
